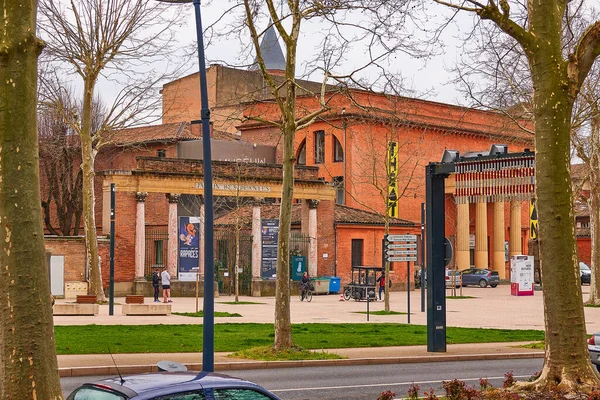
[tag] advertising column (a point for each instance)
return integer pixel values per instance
(521, 275)
(270, 235)
(189, 248)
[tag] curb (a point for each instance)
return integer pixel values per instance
(232, 366)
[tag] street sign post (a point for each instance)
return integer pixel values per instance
(399, 248)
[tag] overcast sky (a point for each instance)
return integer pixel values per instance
(428, 78)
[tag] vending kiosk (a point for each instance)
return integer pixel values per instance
(521, 275)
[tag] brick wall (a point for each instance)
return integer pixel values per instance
(584, 249)
(372, 237)
(73, 249)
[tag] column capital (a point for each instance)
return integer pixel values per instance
(313, 203)
(257, 201)
(140, 197)
(200, 198)
(173, 197)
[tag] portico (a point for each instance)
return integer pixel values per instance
(175, 177)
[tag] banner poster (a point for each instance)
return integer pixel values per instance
(270, 235)
(189, 248)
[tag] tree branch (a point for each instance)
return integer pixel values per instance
(584, 55)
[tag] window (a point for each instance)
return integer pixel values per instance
(338, 151)
(340, 194)
(319, 147)
(239, 394)
(88, 393)
(158, 252)
(194, 395)
(161, 153)
(357, 252)
(301, 159)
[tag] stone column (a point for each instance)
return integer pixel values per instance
(463, 259)
(140, 235)
(201, 241)
(256, 239)
(172, 229)
(514, 245)
(481, 245)
(498, 255)
(312, 233)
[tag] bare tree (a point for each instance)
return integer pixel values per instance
(375, 173)
(556, 79)
(28, 366)
(283, 87)
(60, 160)
(118, 40)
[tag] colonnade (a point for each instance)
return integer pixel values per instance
(309, 213)
(462, 243)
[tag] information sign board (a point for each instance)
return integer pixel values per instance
(401, 238)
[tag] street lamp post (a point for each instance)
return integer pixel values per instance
(208, 345)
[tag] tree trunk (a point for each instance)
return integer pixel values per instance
(283, 324)
(28, 366)
(567, 361)
(89, 217)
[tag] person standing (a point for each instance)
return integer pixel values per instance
(166, 285)
(155, 283)
(381, 281)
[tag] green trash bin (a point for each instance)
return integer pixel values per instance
(321, 285)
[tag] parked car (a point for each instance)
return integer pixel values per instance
(479, 276)
(594, 349)
(173, 386)
(453, 278)
(585, 273)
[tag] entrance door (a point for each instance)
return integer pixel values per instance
(57, 276)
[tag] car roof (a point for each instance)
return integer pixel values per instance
(162, 381)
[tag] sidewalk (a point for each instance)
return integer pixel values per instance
(488, 308)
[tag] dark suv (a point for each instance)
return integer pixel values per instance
(480, 277)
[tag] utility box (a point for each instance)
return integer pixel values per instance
(521, 275)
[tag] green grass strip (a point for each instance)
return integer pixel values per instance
(201, 314)
(381, 312)
(97, 339)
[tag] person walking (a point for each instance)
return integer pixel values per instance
(155, 283)
(166, 285)
(381, 281)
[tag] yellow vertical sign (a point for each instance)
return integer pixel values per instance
(392, 175)
(533, 220)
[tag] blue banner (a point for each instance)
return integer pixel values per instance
(189, 247)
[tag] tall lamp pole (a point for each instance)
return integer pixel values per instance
(208, 345)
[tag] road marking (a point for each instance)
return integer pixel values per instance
(393, 384)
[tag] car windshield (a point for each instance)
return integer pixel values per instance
(584, 267)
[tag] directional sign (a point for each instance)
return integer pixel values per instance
(401, 252)
(401, 238)
(401, 246)
(398, 259)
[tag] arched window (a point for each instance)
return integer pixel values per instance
(338, 150)
(301, 157)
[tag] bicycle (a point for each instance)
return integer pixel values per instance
(306, 292)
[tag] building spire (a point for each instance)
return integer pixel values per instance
(271, 51)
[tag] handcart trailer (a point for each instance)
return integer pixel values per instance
(364, 283)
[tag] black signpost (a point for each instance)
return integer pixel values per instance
(398, 248)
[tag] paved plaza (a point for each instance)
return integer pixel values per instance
(487, 308)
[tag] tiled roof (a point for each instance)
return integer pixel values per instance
(349, 215)
(165, 133)
(343, 215)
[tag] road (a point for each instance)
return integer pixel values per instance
(367, 382)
